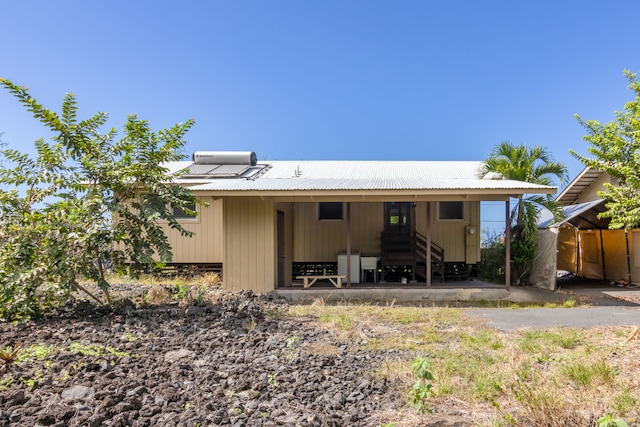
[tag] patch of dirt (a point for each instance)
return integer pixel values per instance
(219, 363)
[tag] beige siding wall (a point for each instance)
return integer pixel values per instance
(250, 244)
(453, 236)
(322, 241)
(207, 244)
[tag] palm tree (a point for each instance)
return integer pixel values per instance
(534, 165)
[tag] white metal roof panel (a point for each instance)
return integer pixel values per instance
(361, 175)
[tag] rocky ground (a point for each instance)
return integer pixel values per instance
(221, 362)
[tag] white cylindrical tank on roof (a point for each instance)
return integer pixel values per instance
(225, 158)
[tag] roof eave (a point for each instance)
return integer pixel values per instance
(469, 194)
(577, 180)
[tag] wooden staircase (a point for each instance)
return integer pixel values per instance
(407, 251)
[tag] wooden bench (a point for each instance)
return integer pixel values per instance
(310, 280)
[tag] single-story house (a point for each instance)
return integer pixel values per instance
(270, 223)
(581, 244)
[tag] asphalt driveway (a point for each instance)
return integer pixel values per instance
(507, 319)
(600, 305)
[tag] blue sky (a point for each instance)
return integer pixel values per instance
(329, 79)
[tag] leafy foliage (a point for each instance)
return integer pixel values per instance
(615, 147)
(422, 389)
(607, 420)
(534, 165)
(74, 209)
(492, 258)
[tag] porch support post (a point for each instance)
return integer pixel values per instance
(348, 244)
(428, 260)
(507, 243)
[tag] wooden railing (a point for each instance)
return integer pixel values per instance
(437, 255)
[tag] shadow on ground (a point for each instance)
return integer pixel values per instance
(599, 292)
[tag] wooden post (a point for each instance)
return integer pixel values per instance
(507, 243)
(428, 245)
(348, 244)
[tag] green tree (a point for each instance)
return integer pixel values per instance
(534, 165)
(75, 206)
(615, 147)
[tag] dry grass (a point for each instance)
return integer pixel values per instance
(323, 349)
(554, 377)
(158, 294)
(185, 291)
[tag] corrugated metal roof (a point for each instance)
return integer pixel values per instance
(373, 170)
(360, 175)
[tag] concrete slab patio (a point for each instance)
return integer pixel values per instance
(597, 303)
(474, 291)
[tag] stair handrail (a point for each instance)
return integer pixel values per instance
(438, 253)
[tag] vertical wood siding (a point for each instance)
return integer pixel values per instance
(322, 241)
(452, 235)
(250, 256)
(207, 244)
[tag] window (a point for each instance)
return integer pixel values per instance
(450, 211)
(329, 211)
(181, 214)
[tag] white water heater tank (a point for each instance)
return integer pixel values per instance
(225, 158)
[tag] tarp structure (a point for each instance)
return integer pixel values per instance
(543, 273)
(583, 245)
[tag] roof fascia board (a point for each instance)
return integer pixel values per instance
(493, 194)
(573, 183)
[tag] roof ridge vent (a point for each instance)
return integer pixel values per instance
(225, 158)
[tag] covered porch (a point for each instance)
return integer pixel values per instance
(389, 241)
